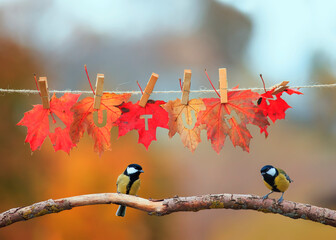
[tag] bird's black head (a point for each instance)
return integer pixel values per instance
(133, 170)
(268, 170)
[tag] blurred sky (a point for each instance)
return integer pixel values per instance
(111, 18)
(288, 33)
(285, 36)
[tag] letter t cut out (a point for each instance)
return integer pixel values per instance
(146, 117)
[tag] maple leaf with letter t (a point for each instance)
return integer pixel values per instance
(38, 124)
(143, 119)
(230, 119)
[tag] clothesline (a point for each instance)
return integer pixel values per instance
(29, 91)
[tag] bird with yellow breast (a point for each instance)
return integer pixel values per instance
(276, 180)
(128, 183)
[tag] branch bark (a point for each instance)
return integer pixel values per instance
(176, 204)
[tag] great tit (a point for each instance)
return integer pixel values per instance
(128, 183)
(276, 180)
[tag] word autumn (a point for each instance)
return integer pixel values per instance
(66, 120)
(186, 125)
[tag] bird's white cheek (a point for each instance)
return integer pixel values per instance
(131, 170)
(271, 172)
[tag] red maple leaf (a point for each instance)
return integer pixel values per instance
(274, 108)
(38, 128)
(221, 122)
(143, 119)
(83, 119)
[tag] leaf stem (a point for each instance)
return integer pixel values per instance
(87, 74)
(140, 87)
(263, 82)
(211, 82)
(37, 84)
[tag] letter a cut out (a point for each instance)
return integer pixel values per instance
(53, 125)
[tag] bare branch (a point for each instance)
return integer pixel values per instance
(177, 204)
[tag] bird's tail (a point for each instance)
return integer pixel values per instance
(121, 211)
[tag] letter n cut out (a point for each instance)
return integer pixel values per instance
(234, 115)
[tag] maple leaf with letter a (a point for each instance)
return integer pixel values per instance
(143, 119)
(83, 119)
(220, 121)
(182, 120)
(274, 108)
(38, 127)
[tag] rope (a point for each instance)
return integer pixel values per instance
(28, 91)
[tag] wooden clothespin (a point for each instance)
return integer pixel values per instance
(280, 87)
(186, 86)
(148, 90)
(98, 91)
(223, 85)
(43, 85)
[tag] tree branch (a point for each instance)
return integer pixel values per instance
(177, 204)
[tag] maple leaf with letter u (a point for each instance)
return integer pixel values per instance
(221, 122)
(38, 127)
(84, 121)
(143, 119)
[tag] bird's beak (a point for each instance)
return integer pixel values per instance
(141, 171)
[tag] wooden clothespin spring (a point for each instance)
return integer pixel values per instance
(99, 90)
(43, 85)
(97, 101)
(186, 86)
(280, 87)
(148, 90)
(223, 85)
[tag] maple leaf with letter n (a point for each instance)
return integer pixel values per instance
(274, 108)
(230, 119)
(38, 126)
(182, 120)
(143, 119)
(84, 120)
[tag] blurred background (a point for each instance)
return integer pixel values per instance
(127, 41)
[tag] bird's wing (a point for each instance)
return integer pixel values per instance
(118, 181)
(122, 183)
(284, 173)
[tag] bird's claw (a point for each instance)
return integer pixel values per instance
(280, 200)
(265, 197)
